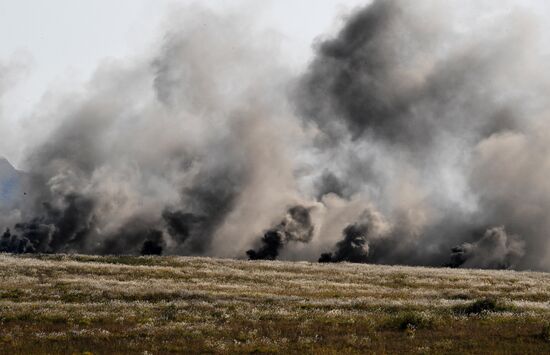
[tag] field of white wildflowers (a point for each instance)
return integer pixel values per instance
(156, 305)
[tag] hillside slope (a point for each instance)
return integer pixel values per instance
(77, 304)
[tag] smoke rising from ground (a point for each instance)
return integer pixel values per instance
(495, 250)
(167, 144)
(357, 239)
(295, 227)
(417, 135)
(420, 116)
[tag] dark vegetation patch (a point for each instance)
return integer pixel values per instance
(482, 306)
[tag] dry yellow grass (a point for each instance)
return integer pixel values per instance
(157, 305)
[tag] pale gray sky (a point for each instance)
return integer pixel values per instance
(59, 43)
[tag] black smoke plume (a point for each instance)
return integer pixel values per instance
(10, 243)
(421, 120)
(59, 229)
(494, 250)
(157, 154)
(357, 237)
(353, 248)
(297, 226)
(272, 242)
(154, 244)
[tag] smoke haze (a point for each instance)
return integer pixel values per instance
(417, 135)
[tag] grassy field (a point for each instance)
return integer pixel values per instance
(156, 305)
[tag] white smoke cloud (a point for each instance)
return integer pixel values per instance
(414, 128)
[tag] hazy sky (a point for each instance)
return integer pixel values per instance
(59, 43)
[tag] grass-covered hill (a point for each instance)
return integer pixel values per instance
(156, 305)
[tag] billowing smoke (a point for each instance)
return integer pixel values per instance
(295, 227)
(357, 237)
(353, 248)
(158, 154)
(10, 243)
(495, 250)
(414, 127)
(57, 229)
(420, 109)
